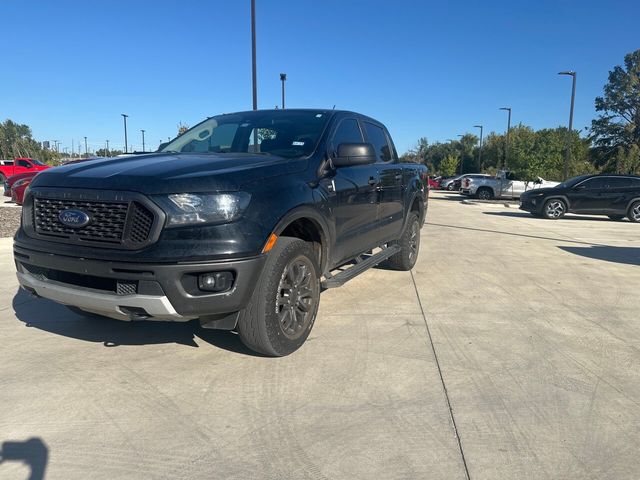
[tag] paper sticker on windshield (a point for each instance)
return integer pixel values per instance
(318, 115)
(298, 144)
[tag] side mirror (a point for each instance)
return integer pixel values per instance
(350, 154)
(162, 145)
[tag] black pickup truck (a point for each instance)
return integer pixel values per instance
(240, 222)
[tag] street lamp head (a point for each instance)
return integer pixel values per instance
(505, 108)
(283, 76)
(567, 72)
(477, 126)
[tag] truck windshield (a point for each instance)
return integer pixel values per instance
(286, 133)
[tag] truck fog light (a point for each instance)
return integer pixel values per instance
(215, 281)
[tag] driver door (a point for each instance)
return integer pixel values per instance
(352, 196)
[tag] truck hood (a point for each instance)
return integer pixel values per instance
(168, 173)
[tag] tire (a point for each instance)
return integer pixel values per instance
(616, 218)
(484, 193)
(450, 187)
(633, 214)
(554, 208)
(2, 178)
(409, 243)
(283, 308)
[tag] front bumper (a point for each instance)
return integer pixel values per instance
(531, 204)
(127, 290)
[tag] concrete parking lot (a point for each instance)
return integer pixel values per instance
(511, 351)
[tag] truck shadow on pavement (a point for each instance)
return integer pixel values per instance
(54, 318)
(33, 453)
(566, 217)
(625, 255)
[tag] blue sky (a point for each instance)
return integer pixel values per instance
(424, 68)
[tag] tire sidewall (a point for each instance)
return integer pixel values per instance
(547, 202)
(483, 190)
(279, 258)
(630, 212)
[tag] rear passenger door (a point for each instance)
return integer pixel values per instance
(390, 206)
(616, 195)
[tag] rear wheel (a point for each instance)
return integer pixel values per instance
(616, 217)
(554, 209)
(484, 193)
(634, 212)
(283, 308)
(450, 187)
(409, 244)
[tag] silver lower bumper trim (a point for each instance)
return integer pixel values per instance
(158, 307)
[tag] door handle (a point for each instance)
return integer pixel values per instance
(373, 181)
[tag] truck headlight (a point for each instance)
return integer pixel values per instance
(201, 208)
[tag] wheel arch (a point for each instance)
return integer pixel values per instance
(486, 187)
(307, 224)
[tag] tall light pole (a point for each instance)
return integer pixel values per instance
(283, 78)
(480, 150)
(126, 147)
(253, 54)
(86, 149)
(107, 150)
(506, 146)
(567, 152)
(142, 140)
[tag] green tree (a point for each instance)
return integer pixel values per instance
(618, 124)
(16, 141)
(449, 165)
(111, 153)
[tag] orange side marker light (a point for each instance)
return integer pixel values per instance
(271, 241)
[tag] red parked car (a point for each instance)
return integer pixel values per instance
(20, 165)
(15, 186)
(433, 183)
(18, 189)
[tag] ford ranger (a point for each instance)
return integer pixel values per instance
(240, 222)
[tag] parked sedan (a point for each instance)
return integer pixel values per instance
(9, 182)
(452, 183)
(616, 196)
(19, 188)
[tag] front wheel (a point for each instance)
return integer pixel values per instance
(409, 244)
(634, 212)
(554, 209)
(484, 193)
(283, 308)
(450, 187)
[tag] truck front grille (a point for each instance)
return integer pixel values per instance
(111, 223)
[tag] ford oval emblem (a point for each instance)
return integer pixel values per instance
(74, 218)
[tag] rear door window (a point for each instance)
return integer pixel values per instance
(378, 139)
(621, 182)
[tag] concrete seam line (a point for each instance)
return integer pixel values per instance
(444, 386)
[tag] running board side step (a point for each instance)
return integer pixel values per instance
(362, 264)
